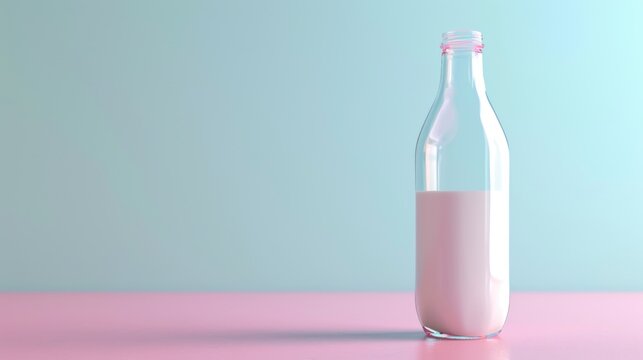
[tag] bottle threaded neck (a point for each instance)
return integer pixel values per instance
(462, 40)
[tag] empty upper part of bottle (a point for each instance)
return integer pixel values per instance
(462, 61)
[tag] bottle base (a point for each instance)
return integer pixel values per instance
(438, 335)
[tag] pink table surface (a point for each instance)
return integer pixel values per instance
(306, 326)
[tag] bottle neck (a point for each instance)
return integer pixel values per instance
(462, 71)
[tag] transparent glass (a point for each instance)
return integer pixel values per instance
(462, 202)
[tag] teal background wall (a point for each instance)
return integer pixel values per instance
(268, 145)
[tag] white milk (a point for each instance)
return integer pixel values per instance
(462, 266)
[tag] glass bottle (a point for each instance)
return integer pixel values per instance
(462, 202)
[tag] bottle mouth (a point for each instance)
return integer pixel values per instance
(467, 40)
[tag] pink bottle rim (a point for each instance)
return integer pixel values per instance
(462, 40)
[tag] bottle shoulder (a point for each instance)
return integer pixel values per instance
(451, 118)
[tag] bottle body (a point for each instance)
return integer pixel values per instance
(462, 202)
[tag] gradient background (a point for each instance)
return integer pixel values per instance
(256, 145)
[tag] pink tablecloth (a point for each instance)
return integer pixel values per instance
(306, 326)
